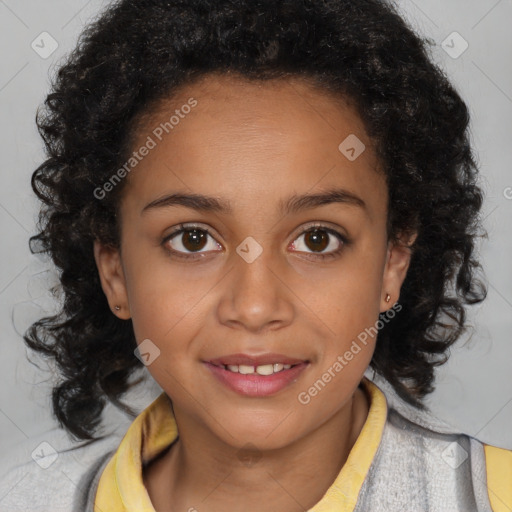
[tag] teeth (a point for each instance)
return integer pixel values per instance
(245, 370)
(264, 369)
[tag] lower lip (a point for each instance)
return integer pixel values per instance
(257, 385)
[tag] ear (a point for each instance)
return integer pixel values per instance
(397, 263)
(110, 269)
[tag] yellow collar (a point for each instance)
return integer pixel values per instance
(121, 488)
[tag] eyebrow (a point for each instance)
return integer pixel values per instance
(294, 204)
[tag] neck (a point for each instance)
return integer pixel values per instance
(202, 471)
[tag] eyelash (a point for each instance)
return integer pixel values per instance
(182, 228)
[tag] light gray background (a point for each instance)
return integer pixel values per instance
(474, 390)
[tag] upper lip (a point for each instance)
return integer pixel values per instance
(245, 359)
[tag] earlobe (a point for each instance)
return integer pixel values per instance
(397, 264)
(110, 270)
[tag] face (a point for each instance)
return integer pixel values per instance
(257, 273)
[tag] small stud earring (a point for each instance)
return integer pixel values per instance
(117, 308)
(388, 297)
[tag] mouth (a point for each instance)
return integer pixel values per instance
(263, 369)
(266, 364)
(257, 376)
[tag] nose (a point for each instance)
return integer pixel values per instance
(256, 297)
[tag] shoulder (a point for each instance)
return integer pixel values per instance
(51, 471)
(467, 473)
(424, 459)
(499, 477)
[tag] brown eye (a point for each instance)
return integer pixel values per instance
(189, 241)
(317, 240)
(193, 239)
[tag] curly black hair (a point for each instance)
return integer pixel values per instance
(135, 54)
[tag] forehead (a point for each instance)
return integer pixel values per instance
(266, 106)
(242, 139)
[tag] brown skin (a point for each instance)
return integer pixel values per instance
(254, 145)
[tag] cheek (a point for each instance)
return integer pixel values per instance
(346, 296)
(167, 302)
(159, 307)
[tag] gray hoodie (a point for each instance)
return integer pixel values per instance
(422, 464)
